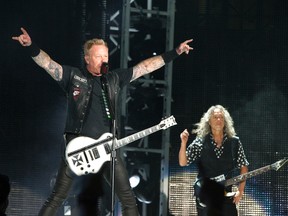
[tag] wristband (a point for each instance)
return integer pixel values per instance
(34, 50)
(169, 56)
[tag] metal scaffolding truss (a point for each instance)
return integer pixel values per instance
(131, 9)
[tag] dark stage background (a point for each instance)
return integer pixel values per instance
(240, 60)
(241, 63)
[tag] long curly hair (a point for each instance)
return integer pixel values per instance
(203, 128)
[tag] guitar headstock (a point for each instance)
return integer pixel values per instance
(277, 165)
(168, 122)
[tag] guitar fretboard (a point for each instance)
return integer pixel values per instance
(245, 176)
(136, 136)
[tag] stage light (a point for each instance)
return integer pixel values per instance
(144, 190)
(134, 180)
(139, 176)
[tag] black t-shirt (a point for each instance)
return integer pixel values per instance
(97, 121)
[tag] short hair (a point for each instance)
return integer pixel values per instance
(96, 41)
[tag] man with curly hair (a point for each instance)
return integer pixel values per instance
(218, 152)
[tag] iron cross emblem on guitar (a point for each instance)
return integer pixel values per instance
(85, 155)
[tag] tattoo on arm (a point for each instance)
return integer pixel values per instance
(147, 66)
(53, 68)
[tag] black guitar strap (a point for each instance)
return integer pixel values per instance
(234, 150)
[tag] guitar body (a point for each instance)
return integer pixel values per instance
(209, 189)
(86, 155)
(220, 182)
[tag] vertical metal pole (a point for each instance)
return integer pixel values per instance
(164, 184)
(124, 52)
(164, 181)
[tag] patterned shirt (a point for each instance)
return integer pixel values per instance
(217, 160)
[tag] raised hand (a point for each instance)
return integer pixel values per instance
(24, 39)
(184, 136)
(184, 47)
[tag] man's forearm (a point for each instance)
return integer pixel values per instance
(147, 66)
(154, 63)
(182, 157)
(52, 67)
(241, 186)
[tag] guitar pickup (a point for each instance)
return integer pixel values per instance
(107, 148)
(94, 154)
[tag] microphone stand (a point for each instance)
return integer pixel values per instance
(113, 158)
(104, 70)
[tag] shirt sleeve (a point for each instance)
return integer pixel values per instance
(125, 76)
(241, 157)
(193, 151)
(64, 82)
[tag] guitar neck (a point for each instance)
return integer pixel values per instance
(245, 176)
(137, 136)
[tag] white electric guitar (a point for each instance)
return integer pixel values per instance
(85, 155)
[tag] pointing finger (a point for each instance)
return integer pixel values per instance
(15, 38)
(24, 31)
(188, 41)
